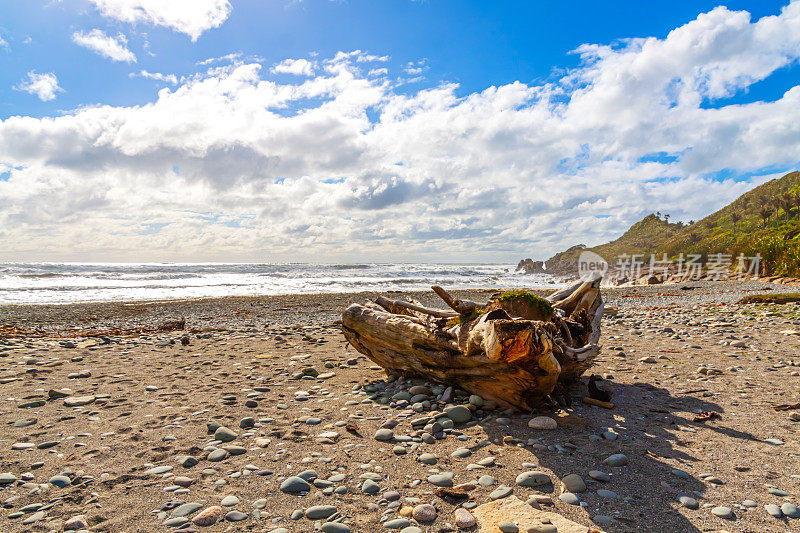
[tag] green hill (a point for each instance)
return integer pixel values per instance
(765, 220)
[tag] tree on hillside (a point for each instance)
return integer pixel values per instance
(765, 212)
(666, 217)
(735, 217)
(658, 214)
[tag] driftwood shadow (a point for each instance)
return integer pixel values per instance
(650, 424)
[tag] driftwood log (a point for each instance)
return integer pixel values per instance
(515, 350)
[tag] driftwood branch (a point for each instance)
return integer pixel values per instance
(514, 350)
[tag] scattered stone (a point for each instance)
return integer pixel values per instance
(574, 483)
(335, 527)
(78, 401)
(570, 498)
(229, 501)
(186, 509)
(773, 510)
(533, 479)
(458, 414)
(224, 434)
(235, 516)
(60, 481)
(722, 512)
(320, 511)
(424, 513)
(618, 459)
(294, 485)
(790, 510)
(464, 518)
(507, 527)
(542, 422)
(76, 522)
(503, 491)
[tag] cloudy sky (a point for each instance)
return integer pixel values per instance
(355, 130)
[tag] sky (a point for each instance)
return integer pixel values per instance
(391, 131)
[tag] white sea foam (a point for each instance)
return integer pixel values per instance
(51, 283)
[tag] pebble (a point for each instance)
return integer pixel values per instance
(7, 478)
(618, 459)
(458, 414)
(486, 481)
(503, 491)
(722, 512)
(790, 510)
(384, 435)
(76, 522)
(542, 422)
(397, 523)
(294, 484)
(441, 480)
(78, 401)
(424, 513)
(773, 510)
(320, 511)
(603, 493)
(186, 509)
(156, 470)
(597, 475)
(574, 483)
(60, 481)
(229, 501)
(464, 519)
(370, 487)
(688, 501)
(235, 516)
(428, 459)
(570, 498)
(507, 527)
(224, 434)
(532, 479)
(335, 527)
(460, 453)
(217, 455)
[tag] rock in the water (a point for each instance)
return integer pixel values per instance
(542, 422)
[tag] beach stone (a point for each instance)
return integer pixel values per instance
(261, 503)
(182, 481)
(574, 483)
(32, 519)
(320, 511)
(507, 527)
(533, 479)
(460, 453)
(186, 461)
(597, 475)
(424, 513)
(722, 512)
(370, 487)
(411, 529)
(78, 401)
(60, 481)
(217, 455)
(688, 501)
(158, 470)
(680, 473)
(458, 414)
(335, 527)
(486, 481)
(397, 523)
(25, 422)
(570, 498)
(773, 510)
(790, 510)
(618, 459)
(294, 484)
(464, 519)
(750, 503)
(503, 491)
(542, 422)
(7, 478)
(229, 501)
(235, 516)
(441, 480)
(186, 509)
(384, 435)
(610, 494)
(428, 459)
(224, 434)
(76, 522)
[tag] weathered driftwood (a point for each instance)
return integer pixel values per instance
(515, 350)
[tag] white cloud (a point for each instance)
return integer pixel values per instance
(45, 86)
(114, 48)
(191, 17)
(167, 78)
(299, 67)
(344, 165)
(4, 43)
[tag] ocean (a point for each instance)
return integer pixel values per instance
(63, 283)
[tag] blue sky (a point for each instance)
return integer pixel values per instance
(353, 114)
(473, 43)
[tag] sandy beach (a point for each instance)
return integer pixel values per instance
(120, 431)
